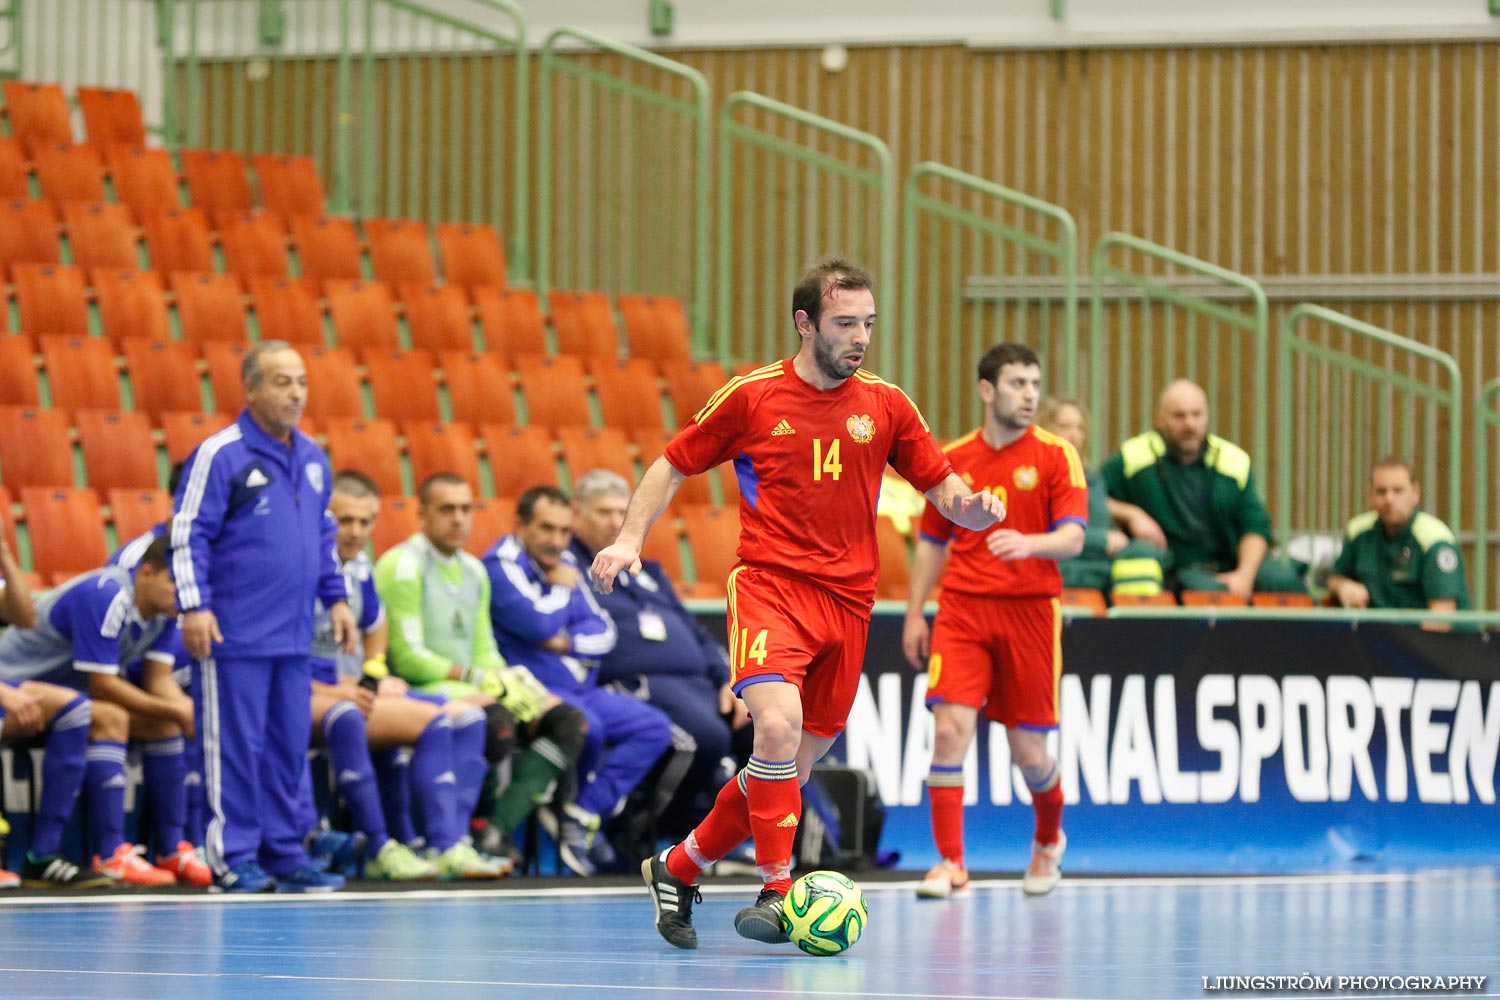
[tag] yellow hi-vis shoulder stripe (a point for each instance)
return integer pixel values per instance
(728, 388)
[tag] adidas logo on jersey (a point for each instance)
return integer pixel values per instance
(256, 478)
(782, 428)
(791, 820)
(347, 777)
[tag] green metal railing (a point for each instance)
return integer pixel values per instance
(1175, 317)
(1349, 393)
(1486, 419)
(623, 183)
(981, 264)
(793, 186)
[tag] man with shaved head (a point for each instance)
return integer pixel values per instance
(1197, 500)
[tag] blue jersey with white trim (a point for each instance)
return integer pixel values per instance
(253, 541)
(89, 624)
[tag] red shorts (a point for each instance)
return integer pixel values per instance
(999, 654)
(784, 629)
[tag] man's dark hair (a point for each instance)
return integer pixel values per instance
(526, 506)
(424, 492)
(827, 275)
(1000, 355)
(352, 482)
(157, 554)
(174, 477)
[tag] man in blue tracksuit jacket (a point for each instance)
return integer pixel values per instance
(252, 547)
(545, 618)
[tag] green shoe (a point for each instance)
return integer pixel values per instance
(395, 862)
(461, 861)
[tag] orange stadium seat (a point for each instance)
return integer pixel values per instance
(69, 172)
(729, 481)
(28, 234)
(400, 250)
(34, 447)
(254, 243)
(18, 381)
(39, 114)
(101, 234)
(163, 375)
(66, 528)
(131, 304)
(694, 491)
(1212, 599)
(433, 447)
(520, 458)
(185, 431)
(714, 534)
(587, 448)
(333, 388)
(511, 321)
(479, 390)
(437, 317)
(289, 185)
(178, 239)
(217, 182)
(327, 247)
(494, 518)
(555, 391)
(584, 323)
(370, 447)
(1263, 600)
(402, 383)
(8, 521)
(209, 307)
(51, 299)
(629, 396)
(664, 545)
(1084, 599)
(655, 327)
(135, 512)
(286, 309)
(13, 180)
(81, 371)
(117, 449)
(895, 561)
(224, 360)
(690, 384)
(1162, 599)
(399, 520)
(144, 179)
(112, 117)
(363, 314)
(472, 254)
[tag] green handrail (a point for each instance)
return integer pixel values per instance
(641, 194)
(1486, 419)
(1179, 355)
(1354, 617)
(1000, 240)
(815, 191)
(1340, 410)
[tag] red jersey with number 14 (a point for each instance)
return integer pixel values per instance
(1040, 478)
(809, 463)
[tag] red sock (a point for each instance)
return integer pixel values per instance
(1048, 805)
(775, 800)
(726, 826)
(948, 821)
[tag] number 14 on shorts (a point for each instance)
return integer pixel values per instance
(751, 649)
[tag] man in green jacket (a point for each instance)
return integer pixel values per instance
(1196, 490)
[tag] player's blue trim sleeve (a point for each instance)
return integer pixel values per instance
(928, 538)
(1082, 522)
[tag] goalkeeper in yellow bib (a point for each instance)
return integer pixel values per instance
(437, 601)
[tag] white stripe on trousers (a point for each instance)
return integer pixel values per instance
(213, 775)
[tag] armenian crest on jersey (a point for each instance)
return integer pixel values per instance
(861, 428)
(1025, 477)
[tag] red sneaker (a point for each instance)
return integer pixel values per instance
(186, 866)
(9, 880)
(127, 867)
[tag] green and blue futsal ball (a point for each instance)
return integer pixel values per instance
(824, 914)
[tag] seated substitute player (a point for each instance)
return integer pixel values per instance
(89, 632)
(437, 599)
(1397, 555)
(544, 615)
(358, 708)
(809, 436)
(996, 645)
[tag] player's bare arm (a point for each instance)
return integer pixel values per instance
(658, 486)
(926, 569)
(1063, 542)
(975, 511)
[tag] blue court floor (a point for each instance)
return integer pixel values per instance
(1091, 940)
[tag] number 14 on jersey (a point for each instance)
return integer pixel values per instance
(826, 460)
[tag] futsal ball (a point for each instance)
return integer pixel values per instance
(824, 913)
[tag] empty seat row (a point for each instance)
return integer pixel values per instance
(39, 114)
(65, 527)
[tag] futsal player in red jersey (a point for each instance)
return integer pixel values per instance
(809, 437)
(996, 645)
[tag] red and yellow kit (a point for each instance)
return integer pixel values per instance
(996, 643)
(809, 463)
